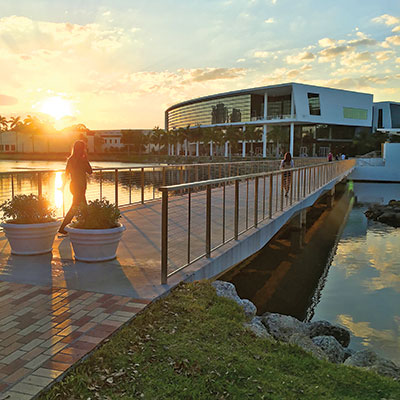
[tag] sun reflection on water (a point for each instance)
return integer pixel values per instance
(58, 192)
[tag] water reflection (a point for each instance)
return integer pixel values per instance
(59, 189)
(348, 273)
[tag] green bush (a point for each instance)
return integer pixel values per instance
(98, 214)
(27, 209)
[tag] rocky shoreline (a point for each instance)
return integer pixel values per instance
(388, 214)
(322, 339)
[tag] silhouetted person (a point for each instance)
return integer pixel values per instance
(287, 163)
(330, 156)
(77, 167)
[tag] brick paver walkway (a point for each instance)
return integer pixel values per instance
(43, 331)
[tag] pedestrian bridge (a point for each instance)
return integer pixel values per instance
(197, 230)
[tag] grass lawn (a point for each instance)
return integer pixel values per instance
(192, 345)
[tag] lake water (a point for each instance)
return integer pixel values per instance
(348, 273)
(36, 165)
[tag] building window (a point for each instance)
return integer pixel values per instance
(13, 147)
(1, 147)
(380, 118)
(395, 114)
(314, 104)
(7, 147)
(355, 113)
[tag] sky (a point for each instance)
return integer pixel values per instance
(119, 64)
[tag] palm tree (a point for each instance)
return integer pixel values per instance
(16, 125)
(164, 140)
(183, 135)
(197, 135)
(208, 137)
(32, 126)
(156, 137)
(233, 135)
(252, 134)
(3, 123)
(219, 137)
(174, 139)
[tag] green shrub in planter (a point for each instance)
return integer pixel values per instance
(97, 214)
(27, 209)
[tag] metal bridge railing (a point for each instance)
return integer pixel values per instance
(128, 185)
(200, 217)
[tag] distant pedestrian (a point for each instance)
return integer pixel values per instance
(287, 163)
(343, 156)
(337, 157)
(77, 167)
(330, 156)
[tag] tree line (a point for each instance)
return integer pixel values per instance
(178, 140)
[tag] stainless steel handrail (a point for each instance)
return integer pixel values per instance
(299, 182)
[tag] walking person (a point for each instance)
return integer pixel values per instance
(287, 163)
(330, 156)
(77, 168)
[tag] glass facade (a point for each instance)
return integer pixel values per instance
(207, 112)
(355, 113)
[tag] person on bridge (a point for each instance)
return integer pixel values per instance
(77, 167)
(330, 156)
(287, 163)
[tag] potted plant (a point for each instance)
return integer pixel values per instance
(96, 231)
(29, 224)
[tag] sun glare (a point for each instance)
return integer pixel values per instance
(57, 107)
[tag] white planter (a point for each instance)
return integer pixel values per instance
(31, 239)
(94, 245)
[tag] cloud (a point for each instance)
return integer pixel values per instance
(304, 56)
(355, 59)
(211, 74)
(270, 21)
(386, 19)
(362, 42)
(327, 42)
(262, 54)
(240, 60)
(331, 53)
(396, 29)
(361, 82)
(382, 56)
(7, 100)
(23, 35)
(393, 40)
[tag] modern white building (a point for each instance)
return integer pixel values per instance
(386, 115)
(303, 119)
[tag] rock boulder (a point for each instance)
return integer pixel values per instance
(325, 328)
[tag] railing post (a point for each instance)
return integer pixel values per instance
(298, 184)
(164, 237)
(282, 178)
(142, 184)
(130, 186)
(12, 186)
(208, 222)
(236, 220)
(163, 176)
(256, 202)
(271, 187)
(189, 223)
(101, 184)
(116, 187)
(39, 184)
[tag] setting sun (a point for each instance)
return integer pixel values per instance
(57, 107)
